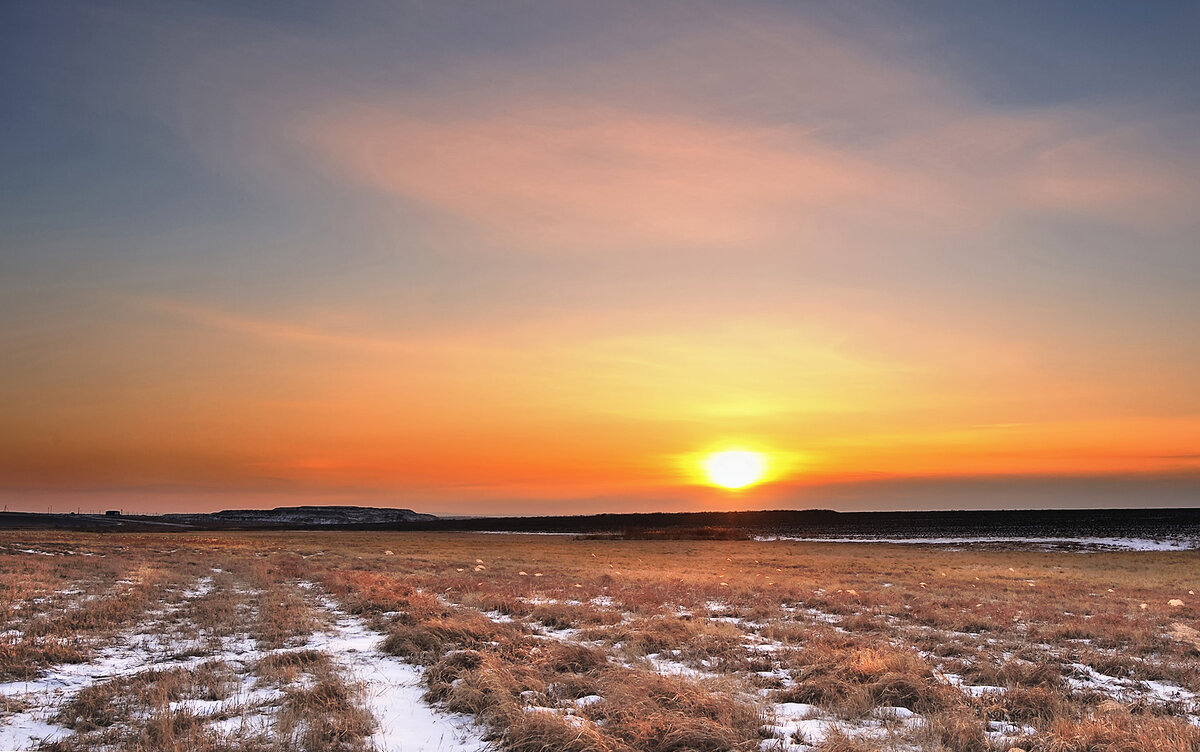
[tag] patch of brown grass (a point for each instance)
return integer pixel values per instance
(23, 658)
(285, 668)
(106, 703)
(1118, 732)
(423, 640)
(851, 680)
(284, 617)
(324, 718)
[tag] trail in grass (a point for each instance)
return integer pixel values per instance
(393, 693)
(392, 689)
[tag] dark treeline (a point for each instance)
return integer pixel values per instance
(1069, 523)
(1151, 523)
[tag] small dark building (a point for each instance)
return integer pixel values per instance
(113, 513)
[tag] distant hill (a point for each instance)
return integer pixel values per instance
(313, 515)
(279, 518)
(301, 517)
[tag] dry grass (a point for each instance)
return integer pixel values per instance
(556, 644)
(640, 710)
(1118, 732)
(325, 717)
(107, 703)
(135, 713)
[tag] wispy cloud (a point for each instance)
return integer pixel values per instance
(593, 178)
(266, 329)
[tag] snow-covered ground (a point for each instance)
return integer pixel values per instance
(392, 690)
(1082, 543)
(789, 726)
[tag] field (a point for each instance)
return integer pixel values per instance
(440, 641)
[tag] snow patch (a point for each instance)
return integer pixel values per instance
(393, 693)
(1081, 543)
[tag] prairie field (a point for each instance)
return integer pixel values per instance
(248, 642)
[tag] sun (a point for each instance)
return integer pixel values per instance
(735, 468)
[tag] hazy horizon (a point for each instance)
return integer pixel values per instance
(541, 258)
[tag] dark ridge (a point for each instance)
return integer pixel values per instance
(1040, 523)
(817, 523)
(279, 518)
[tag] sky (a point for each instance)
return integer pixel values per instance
(544, 257)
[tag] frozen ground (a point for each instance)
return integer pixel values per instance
(392, 692)
(1081, 543)
(391, 689)
(824, 647)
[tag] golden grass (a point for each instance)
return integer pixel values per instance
(852, 628)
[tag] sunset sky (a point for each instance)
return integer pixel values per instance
(543, 257)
